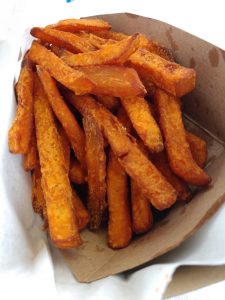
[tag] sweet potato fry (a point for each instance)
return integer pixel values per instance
(109, 102)
(65, 146)
(82, 214)
(55, 182)
(76, 173)
(169, 76)
(31, 157)
(67, 40)
(38, 200)
(142, 218)
(72, 79)
(144, 123)
(74, 132)
(198, 149)
(117, 36)
(119, 225)
(116, 81)
(75, 25)
(156, 188)
(112, 54)
(124, 119)
(95, 40)
(161, 162)
(96, 166)
(177, 147)
(22, 127)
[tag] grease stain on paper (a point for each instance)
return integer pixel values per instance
(170, 38)
(213, 57)
(192, 62)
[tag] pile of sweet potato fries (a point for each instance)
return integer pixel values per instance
(101, 110)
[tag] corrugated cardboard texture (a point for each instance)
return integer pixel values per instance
(206, 105)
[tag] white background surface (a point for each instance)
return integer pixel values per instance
(26, 267)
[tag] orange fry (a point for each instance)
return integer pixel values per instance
(72, 79)
(119, 226)
(74, 132)
(167, 75)
(177, 147)
(22, 127)
(67, 40)
(156, 188)
(144, 123)
(116, 81)
(142, 218)
(76, 173)
(75, 25)
(109, 102)
(198, 149)
(65, 146)
(95, 40)
(161, 162)
(110, 54)
(31, 157)
(55, 182)
(96, 166)
(38, 200)
(82, 214)
(117, 36)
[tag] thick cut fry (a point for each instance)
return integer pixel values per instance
(95, 40)
(144, 123)
(156, 188)
(55, 182)
(38, 200)
(65, 146)
(96, 166)
(112, 54)
(119, 226)
(198, 149)
(22, 127)
(109, 102)
(117, 36)
(116, 81)
(75, 25)
(76, 173)
(74, 133)
(177, 147)
(124, 119)
(169, 76)
(67, 40)
(142, 218)
(161, 162)
(31, 157)
(72, 79)
(82, 214)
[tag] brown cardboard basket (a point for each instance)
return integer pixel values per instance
(204, 110)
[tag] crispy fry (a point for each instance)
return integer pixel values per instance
(38, 200)
(109, 102)
(74, 25)
(76, 173)
(111, 54)
(116, 81)
(21, 129)
(95, 40)
(177, 147)
(55, 182)
(198, 149)
(142, 218)
(158, 191)
(67, 40)
(65, 146)
(72, 79)
(74, 132)
(169, 76)
(82, 214)
(31, 157)
(124, 119)
(144, 123)
(96, 165)
(161, 162)
(117, 36)
(119, 225)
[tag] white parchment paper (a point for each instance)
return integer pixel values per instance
(29, 268)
